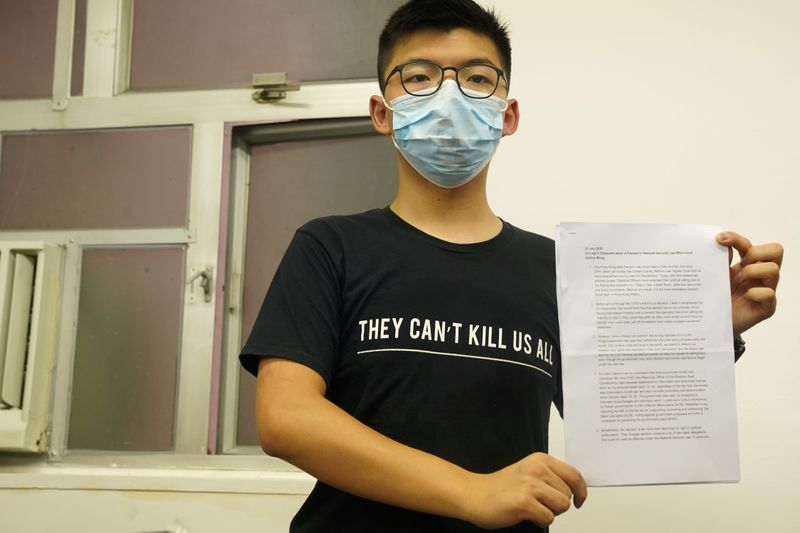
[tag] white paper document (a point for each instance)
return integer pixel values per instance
(647, 353)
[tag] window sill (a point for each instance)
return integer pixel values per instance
(216, 476)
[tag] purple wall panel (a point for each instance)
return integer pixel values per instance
(130, 178)
(27, 48)
(207, 44)
(126, 351)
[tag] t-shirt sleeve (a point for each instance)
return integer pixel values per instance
(299, 319)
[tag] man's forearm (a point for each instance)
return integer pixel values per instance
(305, 429)
(297, 423)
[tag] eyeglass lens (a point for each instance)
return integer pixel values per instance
(421, 78)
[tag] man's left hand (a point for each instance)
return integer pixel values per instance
(754, 279)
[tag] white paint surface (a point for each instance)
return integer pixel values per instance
(45, 511)
(673, 112)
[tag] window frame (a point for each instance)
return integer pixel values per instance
(105, 105)
(244, 138)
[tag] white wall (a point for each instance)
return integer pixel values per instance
(68, 511)
(672, 111)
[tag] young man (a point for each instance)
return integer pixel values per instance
(407, 357)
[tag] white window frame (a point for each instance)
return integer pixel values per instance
(106, 105)
(237, 232)
(25, 426)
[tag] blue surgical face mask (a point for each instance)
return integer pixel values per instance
(447, 137)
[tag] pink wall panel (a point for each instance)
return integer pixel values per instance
(128, 178)
(207, 44)
(27, 48)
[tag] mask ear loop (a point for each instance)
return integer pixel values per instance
(386, 104)
(505, 103)
(390, 108)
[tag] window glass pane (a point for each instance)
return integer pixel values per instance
(78, 48)
(126, 352)
(134, 178)
(290, 184)
(27, 48)
(207, 44)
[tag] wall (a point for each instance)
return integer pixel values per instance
(683, 112)
(139, 511)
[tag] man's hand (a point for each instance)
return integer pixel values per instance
(536, 489)
(753, 280)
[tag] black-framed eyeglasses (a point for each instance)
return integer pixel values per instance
(423, 78)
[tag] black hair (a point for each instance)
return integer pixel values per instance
(444, 15)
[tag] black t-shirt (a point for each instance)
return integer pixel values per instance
(448, 348)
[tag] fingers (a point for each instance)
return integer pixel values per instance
(772, 253)
(537, 488)
(767, 274)
(558, 484)
(562, 482)
(751, 254)
(763, 296)
(555, 500)
(734, 240)
(764, 253)
(539, 514)
(544, 504)
(571, 477)
(754, 279)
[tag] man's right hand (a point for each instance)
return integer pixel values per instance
(537, 489)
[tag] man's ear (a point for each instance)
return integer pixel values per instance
(381, 117)
(511, 117)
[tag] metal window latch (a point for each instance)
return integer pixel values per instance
(205, 275)
(272, 86)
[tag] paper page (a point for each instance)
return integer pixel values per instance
(647, 353)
